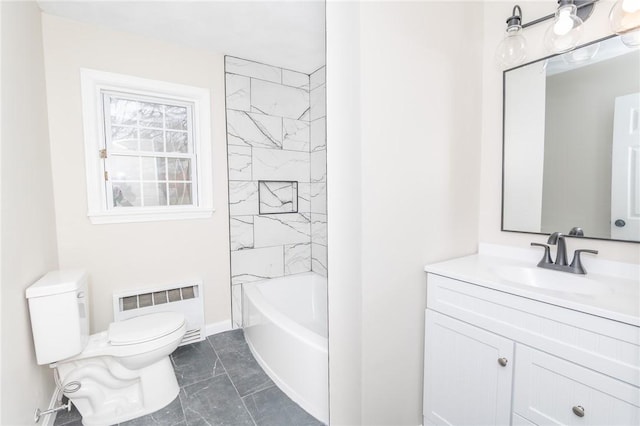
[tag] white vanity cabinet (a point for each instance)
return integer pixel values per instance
(492, 357)
(468, 373)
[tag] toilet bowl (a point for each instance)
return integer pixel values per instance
(139, 341)
(112, 376)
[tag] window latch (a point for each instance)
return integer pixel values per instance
(106, 175)
(103, 153)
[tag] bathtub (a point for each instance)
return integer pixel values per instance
(285, 325)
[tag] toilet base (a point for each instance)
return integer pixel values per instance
(111, 393)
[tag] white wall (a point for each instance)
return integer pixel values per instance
(1, 81)
(412, 155)
(344, 208)
(420, 144)
(28, 220)
(495, 13)
(122, 256)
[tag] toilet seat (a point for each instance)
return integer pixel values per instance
(166, 328)
(144, 328)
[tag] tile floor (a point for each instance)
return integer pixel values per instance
(220, 384)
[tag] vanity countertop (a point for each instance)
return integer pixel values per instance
(616, 298)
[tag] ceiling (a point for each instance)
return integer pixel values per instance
(288, 34)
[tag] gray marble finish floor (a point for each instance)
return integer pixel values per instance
(220, 384)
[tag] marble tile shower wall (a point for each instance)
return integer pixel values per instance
(276, 147)
(318, 148)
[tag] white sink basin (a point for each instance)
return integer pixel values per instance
(552, 280)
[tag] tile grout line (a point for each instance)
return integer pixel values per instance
(184, 416)
(233, 384)
(180, 389)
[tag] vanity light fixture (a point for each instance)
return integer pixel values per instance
(512, 50)
(563, 34)
(625, 21)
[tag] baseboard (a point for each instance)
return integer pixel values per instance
(218, 327)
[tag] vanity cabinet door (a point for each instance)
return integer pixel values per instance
(467, 374)
(550, 390)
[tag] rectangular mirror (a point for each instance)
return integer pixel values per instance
(571, 143)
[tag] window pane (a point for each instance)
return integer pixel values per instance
(154, 168)
(126, 194)
(123, 111)
(150, 115)
(177, 142)
(179, 193)
(145, 138)
(179, 168)
(151, 140)
(124, 138)
(123, 168)
(155, 194)
(176, 117)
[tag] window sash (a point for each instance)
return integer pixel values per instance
(140, 183)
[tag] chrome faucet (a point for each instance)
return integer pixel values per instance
(560, 264)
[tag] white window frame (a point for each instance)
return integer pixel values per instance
(93, 84)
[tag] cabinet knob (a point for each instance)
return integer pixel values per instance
(502, 361)
(578, 410)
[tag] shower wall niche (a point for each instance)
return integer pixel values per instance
(276, 142)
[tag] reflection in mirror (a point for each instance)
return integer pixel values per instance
(572, 143)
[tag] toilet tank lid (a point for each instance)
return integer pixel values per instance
(57, 282)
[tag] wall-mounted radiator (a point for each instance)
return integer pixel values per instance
(185, 298)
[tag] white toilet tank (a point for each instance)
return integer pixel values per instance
(59, 309)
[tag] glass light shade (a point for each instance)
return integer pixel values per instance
(512, 50)
(625, 20)
(582, 55)
(565, 31)
(631, 39)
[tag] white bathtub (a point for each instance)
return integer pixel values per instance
(285, 325)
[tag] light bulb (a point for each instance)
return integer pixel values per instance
(565, 31)
(624, 19)
(630, 6)
(512, 50)
(563, 24)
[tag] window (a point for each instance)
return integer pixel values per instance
(147, 149)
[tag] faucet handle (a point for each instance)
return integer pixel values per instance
(576, 263)
(546, 257)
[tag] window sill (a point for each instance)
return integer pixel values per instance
(147, 215)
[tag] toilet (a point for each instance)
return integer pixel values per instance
(112, 376)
